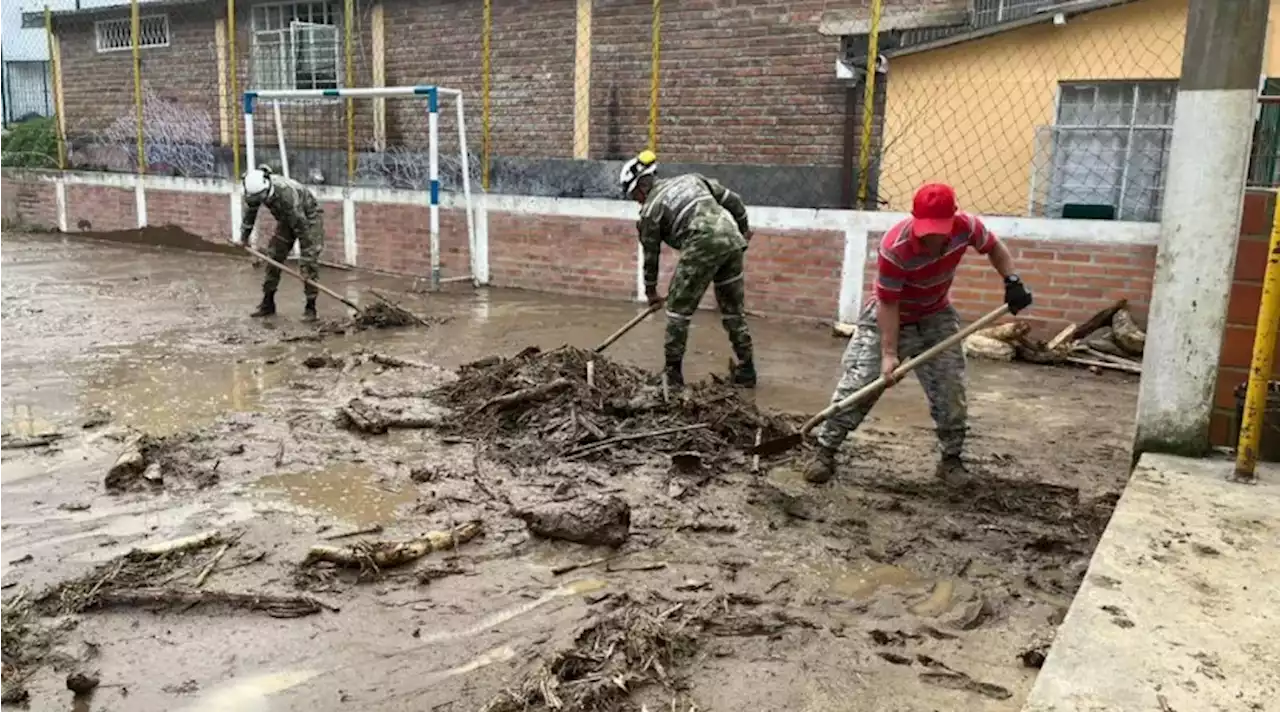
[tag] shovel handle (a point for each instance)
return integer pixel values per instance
(627, 327)
(294, 273)
(906, 367)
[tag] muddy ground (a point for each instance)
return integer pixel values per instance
(735, 590)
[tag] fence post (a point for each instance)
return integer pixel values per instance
(654, 78)
(348, 28)
(1264, 348)
(235, 90)
(869, 104)
(135, 23)
(55, 66)
(486, 34)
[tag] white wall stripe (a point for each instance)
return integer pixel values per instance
(349, 231)
(140, 204)
(60, 204)
(851, 271)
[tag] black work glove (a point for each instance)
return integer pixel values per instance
(1016, 294)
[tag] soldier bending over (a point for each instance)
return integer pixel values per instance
(298, 217)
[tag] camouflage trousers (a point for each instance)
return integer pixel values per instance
(310, 246)
(943, 378)
(698, 268)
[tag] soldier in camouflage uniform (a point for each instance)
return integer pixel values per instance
(708, 224)
(911, 313)
(298, 217)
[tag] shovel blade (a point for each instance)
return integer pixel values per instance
(777, 445)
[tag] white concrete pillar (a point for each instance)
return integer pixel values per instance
(1203, 198)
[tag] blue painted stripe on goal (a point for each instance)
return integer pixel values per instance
(332, 92)
(435, 192)
(249, 98)
(433, 98)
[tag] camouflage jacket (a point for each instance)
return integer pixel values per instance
(680, 209)
(293, 206)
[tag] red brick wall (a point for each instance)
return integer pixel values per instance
(397, 238)
(1069, 281)
(205, 214)
(97, 208)
(563, 254)
(28, 202)
(1242, 313)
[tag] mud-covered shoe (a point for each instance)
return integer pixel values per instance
(309, 311)
(744, 374)
(951, 469)
(822, 467)
(267, 307)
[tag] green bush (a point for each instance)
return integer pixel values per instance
(31, 144)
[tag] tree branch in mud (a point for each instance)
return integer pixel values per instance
(524, 395)
(377, 555)
(273, 605)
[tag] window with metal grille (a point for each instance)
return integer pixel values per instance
(992, 12)
(117, 35)
(296, 45)
(1108, 147)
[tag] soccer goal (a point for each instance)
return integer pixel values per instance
(409, 144)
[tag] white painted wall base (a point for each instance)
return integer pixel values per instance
(1203, 198)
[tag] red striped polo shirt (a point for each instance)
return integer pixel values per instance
(917, 281)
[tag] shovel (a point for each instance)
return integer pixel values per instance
(786, 442)
(627, 327)
(294, 273)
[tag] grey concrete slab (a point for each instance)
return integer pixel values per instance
(1180, 609)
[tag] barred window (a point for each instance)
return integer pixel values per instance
(296, 45)
(117, 35)
(1108, 147)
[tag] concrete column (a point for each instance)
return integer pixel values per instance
(1203, 197)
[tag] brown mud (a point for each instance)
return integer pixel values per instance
(170, 236)
(733, 589)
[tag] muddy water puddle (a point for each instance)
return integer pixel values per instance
(161, 392)
(347, 492)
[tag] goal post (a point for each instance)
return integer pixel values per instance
(309, 120)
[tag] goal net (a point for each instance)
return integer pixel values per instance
(404, 155)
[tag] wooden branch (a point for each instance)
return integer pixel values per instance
(1063, 338)
(204, 574)
(632, 436)
(526, 394)
(1110, 358)
(1102, 365)
(390, 553)
(1099, 320)
(18, 442)
(386, 300)
(275, 606)
(397, 362)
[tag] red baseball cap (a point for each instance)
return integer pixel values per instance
(933, 210)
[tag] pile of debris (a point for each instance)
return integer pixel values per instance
(1110, 340)
(573, 404)
(151, 462)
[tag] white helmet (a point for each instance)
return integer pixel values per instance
(645, 164)
(257, 185)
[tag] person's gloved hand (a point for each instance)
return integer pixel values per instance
(1016, 294)
(652, 296)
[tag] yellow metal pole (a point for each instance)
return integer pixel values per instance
(55, 68)
(869, 103)
(654, 80)
(348, 29)
(486, 33)
(1264, 348)
(136, 22)
(235, 89)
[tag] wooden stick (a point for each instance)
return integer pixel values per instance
(526, 394)
(1062, 338)
(208, 568)
(1104, 364)
(591, 373)
(397, 362)
(627, 327)
(755, 459)
(375, 529)
(386, 300)
(1109, 358)
(633, 436)
(297, 275)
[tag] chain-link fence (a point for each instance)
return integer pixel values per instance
(1035, 113)
(1028, 107)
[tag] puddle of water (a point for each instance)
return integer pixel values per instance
(21, 421)
(344, 491)
(155, 390)
(861, 583)
(940, 600)
(251, 694)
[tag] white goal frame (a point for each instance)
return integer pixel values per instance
(432, 95)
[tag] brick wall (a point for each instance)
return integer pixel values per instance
(98, 86)
(29, 203)
(1242, 313)
(1070, 282)
(92, 207)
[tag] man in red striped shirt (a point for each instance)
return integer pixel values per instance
(910, 313)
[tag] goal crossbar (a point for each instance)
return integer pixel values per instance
(432, 96)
